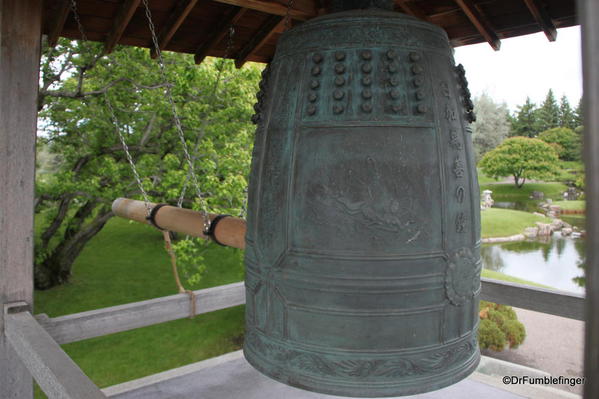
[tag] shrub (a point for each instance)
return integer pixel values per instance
(490, 336)
(514, 333)
(564, 140)
(499, 326)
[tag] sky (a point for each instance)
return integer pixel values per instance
(525, 66)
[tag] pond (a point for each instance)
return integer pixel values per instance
(557, 261)
(526, 206)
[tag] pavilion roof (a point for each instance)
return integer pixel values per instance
(201, 27)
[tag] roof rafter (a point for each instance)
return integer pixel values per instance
(266, 30)
(120, 24)
(301, 10)
(61, 17)
(480, 22)
(408, 8)
(175, 20)
(540, 14)
(218, 34)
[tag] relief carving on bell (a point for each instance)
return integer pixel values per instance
(363, 243)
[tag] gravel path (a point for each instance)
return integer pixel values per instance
(553, 344)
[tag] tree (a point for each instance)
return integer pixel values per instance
(549, 113)
(567, 118)
(525, 122)
(520, 157)
(77, 88)
(578, 114)
(566, 141)
(491, 126)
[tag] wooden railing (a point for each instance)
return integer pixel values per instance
(36, 339)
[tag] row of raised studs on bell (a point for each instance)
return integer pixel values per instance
(366, 67)
(367, 107)
(314, 84)
(418, 81)
(366, 95)
(366, 55)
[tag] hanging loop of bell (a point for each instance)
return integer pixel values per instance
(343, 5)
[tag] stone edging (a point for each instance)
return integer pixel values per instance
(515, 237)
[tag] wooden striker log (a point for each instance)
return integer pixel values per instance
(229, 231)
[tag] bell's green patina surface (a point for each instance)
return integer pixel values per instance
(363, 243)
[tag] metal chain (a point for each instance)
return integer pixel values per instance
(213, 94)
(288, 14)
(78, 20)
(114, 119)
(176, 118)
(115, 122)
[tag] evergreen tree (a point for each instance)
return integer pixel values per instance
(566, 114)
(578, 115)
(549, 113)
(525, 122)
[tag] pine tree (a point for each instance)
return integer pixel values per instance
(525, 122)
(578, 115)
(548, 114)
(566, 114)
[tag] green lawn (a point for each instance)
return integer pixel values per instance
(504, 277)
(498, 222)
(484, 179)
(125, 263)
(571, 205)
(511, 192)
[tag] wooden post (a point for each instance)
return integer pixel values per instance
(20, 32)
(588, 14)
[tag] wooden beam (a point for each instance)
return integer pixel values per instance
(540, 14)
(120, 24)
(408, 8)
(480, 22)
(558, 303)
(175, 20)
(218, 33)
(265, 32)
(95, 323)
(301, 10)
(63, 7)
(20, 33)
(54, 371)
(588, 14)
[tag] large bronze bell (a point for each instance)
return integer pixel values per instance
(362, 251)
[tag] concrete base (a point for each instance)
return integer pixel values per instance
(231, 377)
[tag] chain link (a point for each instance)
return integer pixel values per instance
(213, 94)
(176, 118)
(78, 20)
(114, 119)
(119, 133)
(288, 14)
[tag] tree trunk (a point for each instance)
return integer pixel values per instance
(63, 209)
(55, 269)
